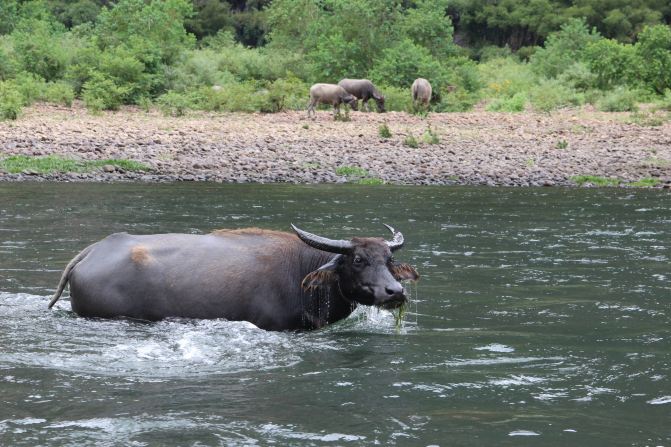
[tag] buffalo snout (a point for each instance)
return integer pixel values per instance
(390, 296)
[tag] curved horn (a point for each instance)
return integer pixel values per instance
(397, 241)
(321, 243)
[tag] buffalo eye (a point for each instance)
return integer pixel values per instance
(358, 260)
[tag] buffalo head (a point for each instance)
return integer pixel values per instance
(379, 100)
(363, 268)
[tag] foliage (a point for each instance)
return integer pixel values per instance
(351, 171)
(53, 163)
(582, 180)
(11, 102)
(563, 48)
(621, 99)
(654, 48)
(383, 131)
(515, 103)
(552, 94)
(548, 53)
(647, 182)
(430, 136)
(411, 141)
(612, 63)
(396, 99)
(100, 92)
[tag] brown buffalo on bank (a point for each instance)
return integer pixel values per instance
(421, 92)
(328, 94)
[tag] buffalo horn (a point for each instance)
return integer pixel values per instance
(397, 241)
(321, 243)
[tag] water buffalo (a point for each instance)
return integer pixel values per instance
(273, 279)
(364, 90)
(421, 92)
(328, 94)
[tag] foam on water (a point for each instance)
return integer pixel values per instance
(170, 348)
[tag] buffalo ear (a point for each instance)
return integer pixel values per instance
(402, 271)
(322, 276)
(316, 279)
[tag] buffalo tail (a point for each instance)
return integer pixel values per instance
(66, 274)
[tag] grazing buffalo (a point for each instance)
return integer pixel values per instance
(364, 90)
(276, 280)
(328, 94)
(421, 92)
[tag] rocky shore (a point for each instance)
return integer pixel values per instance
(474, 148)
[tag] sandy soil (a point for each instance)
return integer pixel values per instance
(481, 148)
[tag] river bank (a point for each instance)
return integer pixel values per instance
(474, 148)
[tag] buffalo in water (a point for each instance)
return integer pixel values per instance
(273, 279)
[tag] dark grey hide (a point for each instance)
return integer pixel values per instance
(275, 280)
(364, 90)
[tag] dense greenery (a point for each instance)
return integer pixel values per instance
(262, 55)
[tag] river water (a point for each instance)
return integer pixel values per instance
(543, 317)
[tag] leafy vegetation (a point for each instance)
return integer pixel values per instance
(15, 164)
(595, 180)
(262, 55)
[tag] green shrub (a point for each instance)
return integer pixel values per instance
(430, 136)
(29, 86)
(351, 171)
(563, 48)
(620, 99)
(39, 49)
(612, 63)
(411, 141)
(383, 131)
(595, 180)
(101, 93)
(396, 99)
(458, 100)
(507, 77)
(664, 102)
(553, 94)
(174, 104)
(395, 67)
(654, 48)
(11, 102)
(579, 77)
(515, 103)
(287, 94)
(60, 93)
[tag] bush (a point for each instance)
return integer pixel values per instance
(654, 47)
(39, 49)
(514, 103)
(287, 94)
(620, 99)
(396, 99)
(101, 93)
(579, 77)
(563, 48)
(612, 63)
(59, 93)
(11, 102)
(30, 87)
(551, 94)
(383, 131)
(394, 67)
(174, 104)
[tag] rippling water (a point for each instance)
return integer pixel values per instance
(543, 317)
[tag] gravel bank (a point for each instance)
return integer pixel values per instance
(475, 148)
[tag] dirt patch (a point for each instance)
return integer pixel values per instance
(476, 148)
